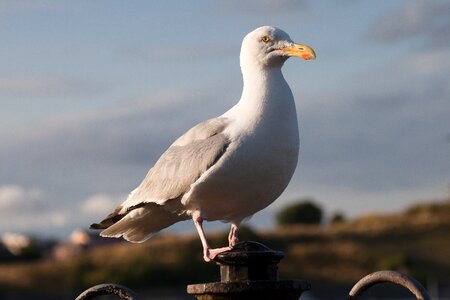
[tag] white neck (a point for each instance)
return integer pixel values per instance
(265, 92)
(259, 82)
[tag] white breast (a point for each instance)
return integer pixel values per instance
(260, 160)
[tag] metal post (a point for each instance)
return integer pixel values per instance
(249, 271)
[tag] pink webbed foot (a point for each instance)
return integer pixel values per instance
(210, 254)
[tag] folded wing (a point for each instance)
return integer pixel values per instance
(155, 203)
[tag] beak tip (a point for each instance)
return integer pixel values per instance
(308, 56)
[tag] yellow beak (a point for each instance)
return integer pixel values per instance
(299, 50)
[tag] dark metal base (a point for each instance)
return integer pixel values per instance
(261, 290)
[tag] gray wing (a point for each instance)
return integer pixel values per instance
(182, 164)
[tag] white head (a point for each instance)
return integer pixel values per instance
(269, 46)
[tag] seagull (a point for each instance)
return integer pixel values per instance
(229, 167)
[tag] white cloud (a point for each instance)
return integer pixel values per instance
(28, 209)
(46, 222)
(57, 218)
(13, 197)
(99, 205)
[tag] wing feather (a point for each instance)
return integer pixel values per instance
(177, 169)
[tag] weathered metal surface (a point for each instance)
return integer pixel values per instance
(108, 289)
(249, 261)
(249, 271)
(389, 276)
(261, 290)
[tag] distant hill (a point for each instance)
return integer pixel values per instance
(416, 241)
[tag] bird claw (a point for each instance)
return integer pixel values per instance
(210, 254)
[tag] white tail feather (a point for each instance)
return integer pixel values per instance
(141, 223)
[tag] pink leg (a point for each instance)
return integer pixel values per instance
(208, 253)
(233, 235)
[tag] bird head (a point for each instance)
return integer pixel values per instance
(269, 46)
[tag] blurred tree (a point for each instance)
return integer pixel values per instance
(337, 217)
(31, 252)
(302, 212)
(5, 255)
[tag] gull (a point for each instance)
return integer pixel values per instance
(229, 167)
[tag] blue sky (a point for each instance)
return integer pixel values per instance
(92, 92)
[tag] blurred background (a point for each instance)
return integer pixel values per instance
(92, 92)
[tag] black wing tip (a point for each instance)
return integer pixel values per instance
(112, 218)
(96, 226)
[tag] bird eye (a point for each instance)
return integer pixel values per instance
(265, 39)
